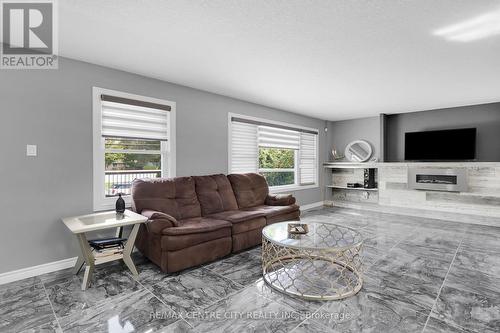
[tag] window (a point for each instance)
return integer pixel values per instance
(133, 138)
(286, 155)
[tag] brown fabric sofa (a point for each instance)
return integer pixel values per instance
(194, 220)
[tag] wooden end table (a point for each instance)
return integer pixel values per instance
(79, 225)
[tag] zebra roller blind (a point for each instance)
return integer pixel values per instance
(247, 136)
(125, 119)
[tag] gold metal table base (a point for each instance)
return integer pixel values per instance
(310, 273)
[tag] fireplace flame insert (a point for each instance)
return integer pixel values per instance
(451, 180)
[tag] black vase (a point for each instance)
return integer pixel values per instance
(120, 205)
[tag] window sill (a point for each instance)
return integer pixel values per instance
(291, 188)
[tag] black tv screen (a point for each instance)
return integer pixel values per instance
(445, 145)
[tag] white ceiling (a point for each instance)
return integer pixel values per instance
(330, 59)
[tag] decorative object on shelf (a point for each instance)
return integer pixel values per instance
(358, 151)
(354, 185)
(298, 228)
(369, 178)
(120, 207)
(336, 156)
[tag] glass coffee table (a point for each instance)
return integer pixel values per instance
(324, 264)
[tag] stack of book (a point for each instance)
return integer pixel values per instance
(107, 246)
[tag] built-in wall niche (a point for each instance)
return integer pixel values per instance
(485, 118)
(354, 183)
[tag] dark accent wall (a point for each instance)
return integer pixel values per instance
(484, 117)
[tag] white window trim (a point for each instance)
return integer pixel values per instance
(101, 202)
(274, 189)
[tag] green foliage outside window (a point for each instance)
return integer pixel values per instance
(277, 158)
(131, 161)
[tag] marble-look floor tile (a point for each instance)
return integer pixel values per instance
(247, 311)
(59, 275)
(26, 310)
(429, 269)
(298, 304)
(432, 226)
(367, 313)
(427, 251)
(472, 280)
(139, 311)
(485, 261)
(243, 268)
(435, 325)
(310, 326)
(476, 231)
(382, 242)
(469, 310)
(67, 297)
(487, 243)
(404, 291)
(395, 231)
(445, 243)
(405, 259)
(194, 290)
(370, 255)
(28, 285)
(180, 326)
(255, 251)
(150, 273)
(52, 327)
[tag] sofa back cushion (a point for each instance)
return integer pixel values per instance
(215, 194)
(250, 189)
(175, 196)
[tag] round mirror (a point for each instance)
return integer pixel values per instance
(358, 151)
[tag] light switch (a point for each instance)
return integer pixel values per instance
(31, 150)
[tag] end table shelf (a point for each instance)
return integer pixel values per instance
(79, 225)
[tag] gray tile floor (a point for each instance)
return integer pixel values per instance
(422, 275)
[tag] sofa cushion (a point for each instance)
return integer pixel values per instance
(196, 225)
(215, 194)
(280, 200)
(242, 221)
(250, 189)
(291, 216)
(237, 216)
(175, 197)
(249, 225)
(271, 211)
(178, 242)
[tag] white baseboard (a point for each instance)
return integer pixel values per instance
(28, 272)
(312, 205)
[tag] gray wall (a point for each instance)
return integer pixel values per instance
(53, 108)
(485, 117)
(341, 133)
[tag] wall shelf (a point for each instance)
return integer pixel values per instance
(350, 165)
(352, 188)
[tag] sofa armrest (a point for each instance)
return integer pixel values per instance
(157, 221)
(280, 200)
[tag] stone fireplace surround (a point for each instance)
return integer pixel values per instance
(479, 197)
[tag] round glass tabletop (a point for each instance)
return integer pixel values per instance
(320, 236)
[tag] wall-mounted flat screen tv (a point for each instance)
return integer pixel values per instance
(444, 145)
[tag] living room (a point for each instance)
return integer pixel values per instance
(225, 166)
